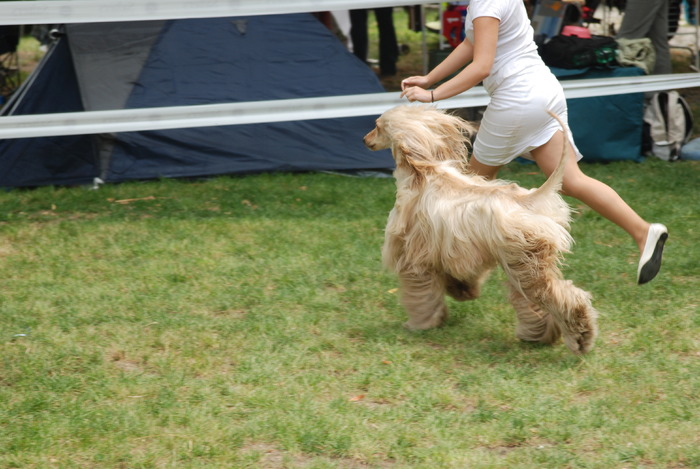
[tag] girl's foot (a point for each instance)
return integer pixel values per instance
(650, 262)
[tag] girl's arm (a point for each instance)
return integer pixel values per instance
(482, 54)
(458, 58)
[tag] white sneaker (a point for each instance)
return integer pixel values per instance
(650, 262)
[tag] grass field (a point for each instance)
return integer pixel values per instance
(247, 322)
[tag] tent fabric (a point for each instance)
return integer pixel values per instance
(49, 160)
(107, 68)
(190, 62)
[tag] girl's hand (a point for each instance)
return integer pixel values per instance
(419, 81)
(415, 93)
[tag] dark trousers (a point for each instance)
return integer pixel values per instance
(388, 47)
(649, 18)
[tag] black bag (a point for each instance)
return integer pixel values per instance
(575, 52)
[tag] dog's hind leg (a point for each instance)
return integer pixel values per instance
(540, 281)
(423, 297)
(534, 324)
(571, 310)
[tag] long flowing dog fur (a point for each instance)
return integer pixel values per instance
(450, 228)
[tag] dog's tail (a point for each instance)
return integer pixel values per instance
(554, 182)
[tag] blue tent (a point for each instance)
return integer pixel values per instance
(188, 62)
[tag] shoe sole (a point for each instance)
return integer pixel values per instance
(653, 265)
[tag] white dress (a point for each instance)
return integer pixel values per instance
(521, 87)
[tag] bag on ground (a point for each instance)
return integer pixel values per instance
(668, 125)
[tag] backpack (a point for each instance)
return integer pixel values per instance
(576, 52)
(668, 125)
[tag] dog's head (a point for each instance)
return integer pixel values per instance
(421, 137)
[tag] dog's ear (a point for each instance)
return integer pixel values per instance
(407, 157)
(400, 153)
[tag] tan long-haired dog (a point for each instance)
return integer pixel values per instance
(449, 229)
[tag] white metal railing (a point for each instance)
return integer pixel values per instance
(128, 120)
(125, 120)
(101, 11)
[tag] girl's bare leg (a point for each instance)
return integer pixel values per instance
(600, 197)
(597, 195)
(489, 172)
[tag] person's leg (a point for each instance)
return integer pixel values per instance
(690, 11)
(480, 169)
(358, 33)
(650, 238)
(648, 18)
(638, 17)
(388, 45)
(597, 195)
(659, 35)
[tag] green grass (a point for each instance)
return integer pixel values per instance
(247, 322)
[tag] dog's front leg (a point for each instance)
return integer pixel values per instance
(423, 296)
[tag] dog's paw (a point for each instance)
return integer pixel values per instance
(424, 323)
(423, 326)
(582, 341)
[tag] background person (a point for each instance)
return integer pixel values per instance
(649, 18)
(388, 45)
